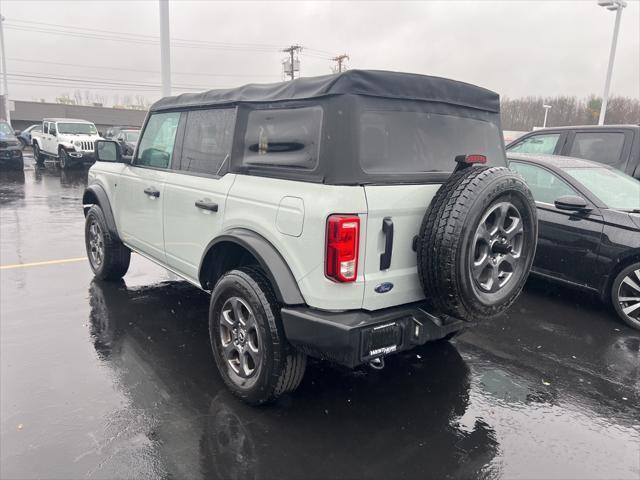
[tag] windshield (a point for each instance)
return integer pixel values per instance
(77, 128)
(614, 188)
(131, 136)
(5, 130)
(404, 141)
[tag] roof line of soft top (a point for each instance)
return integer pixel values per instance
(374, 83)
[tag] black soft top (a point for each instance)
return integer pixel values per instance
(374, 83)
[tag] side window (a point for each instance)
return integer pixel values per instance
(602, 147)
(543, 143)
(283, 138)
(207, 140)
(45, 127)
(158, 139)
(52, 128)
(545, 186)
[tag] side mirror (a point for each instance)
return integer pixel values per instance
(109, 151)
(572, 203)
(100, 134)
(17, 132)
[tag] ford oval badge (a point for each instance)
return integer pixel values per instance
(384, 287)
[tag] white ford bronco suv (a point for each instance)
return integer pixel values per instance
(344, 217)
(68, 140)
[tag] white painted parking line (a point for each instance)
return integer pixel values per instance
(43, 263)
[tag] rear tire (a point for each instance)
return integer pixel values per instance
(625, 295)
(108, 257)
(477, 242)
(250, 349)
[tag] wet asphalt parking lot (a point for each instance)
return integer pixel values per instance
(103, 380)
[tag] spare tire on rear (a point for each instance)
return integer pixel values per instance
(477, 242)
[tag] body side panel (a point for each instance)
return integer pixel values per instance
(253, 204)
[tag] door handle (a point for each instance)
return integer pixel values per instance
(152, 192)
(207, 205)
(387, 230)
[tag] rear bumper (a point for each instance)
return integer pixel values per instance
(356, 337)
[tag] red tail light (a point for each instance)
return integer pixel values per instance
(473, 158)
(343, 239)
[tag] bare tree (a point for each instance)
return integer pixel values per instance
(526, 113)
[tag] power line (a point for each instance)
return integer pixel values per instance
(123, 37)
(106, 67)
(96, 82)
(142, 36)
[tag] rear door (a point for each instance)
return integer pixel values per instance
(394, 217)
(392, 142)
(196, 190)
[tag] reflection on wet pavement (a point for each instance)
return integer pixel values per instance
(114, 380)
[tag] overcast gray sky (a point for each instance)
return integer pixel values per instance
(515, 47)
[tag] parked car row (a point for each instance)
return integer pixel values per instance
(71, 142)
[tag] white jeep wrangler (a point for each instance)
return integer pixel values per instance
(68, 140)
(344, 217)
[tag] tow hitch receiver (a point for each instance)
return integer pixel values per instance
(356, 337)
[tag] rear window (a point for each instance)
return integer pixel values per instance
(418, 142)
(601, 147)
(283, 137)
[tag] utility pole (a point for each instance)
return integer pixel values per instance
(616, 6)
(165, 45)
(340, 60)
(5, 88)
(291, 51)
(546, 112)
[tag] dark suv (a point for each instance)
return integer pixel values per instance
(10, 148)
(614, 145)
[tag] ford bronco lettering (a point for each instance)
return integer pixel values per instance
(345, 217)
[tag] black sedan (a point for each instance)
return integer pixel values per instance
(589, 227)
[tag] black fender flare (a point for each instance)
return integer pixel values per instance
(275, 267)
(96, 195)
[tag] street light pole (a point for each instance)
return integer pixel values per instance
(546, 112)
(617, 6)
(165, 53)
(5, 88)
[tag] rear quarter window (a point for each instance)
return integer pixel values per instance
(417, 142)
(283, 137)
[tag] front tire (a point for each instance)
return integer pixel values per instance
(108, 257)
(37, 154)
(63, 158)
(250, 349)
(625, 295)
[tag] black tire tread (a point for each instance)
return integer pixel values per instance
(440, 236)
(288, 364)
(117, 255)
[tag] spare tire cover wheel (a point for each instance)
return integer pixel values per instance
(477, 243)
